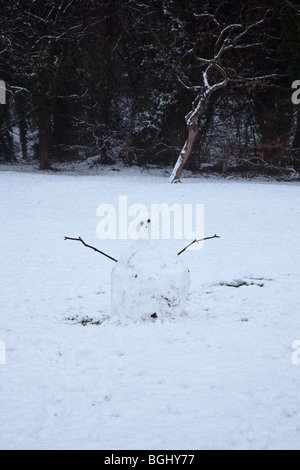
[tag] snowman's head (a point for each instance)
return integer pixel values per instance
(139, 227)
(144, 226)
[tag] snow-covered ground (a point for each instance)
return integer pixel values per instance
(222, 377)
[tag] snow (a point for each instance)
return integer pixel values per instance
(220, 377)
(149, 281)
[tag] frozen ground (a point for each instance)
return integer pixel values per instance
(221, 377)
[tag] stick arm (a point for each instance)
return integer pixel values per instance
(79, 239)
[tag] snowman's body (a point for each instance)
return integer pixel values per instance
(149, 282)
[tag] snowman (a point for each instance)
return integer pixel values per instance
(148, 281)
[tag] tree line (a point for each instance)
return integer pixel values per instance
(201, 85)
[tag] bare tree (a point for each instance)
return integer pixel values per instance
(224, 41)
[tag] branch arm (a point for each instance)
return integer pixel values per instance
(196, 241)
(92, 247)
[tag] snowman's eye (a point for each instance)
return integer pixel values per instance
(141, 224)
(148, 221)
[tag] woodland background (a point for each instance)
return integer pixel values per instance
(110, 81)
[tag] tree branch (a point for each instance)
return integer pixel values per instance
(92, 247)
(164, 50)
(196, 241)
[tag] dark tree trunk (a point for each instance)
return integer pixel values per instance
(43, 146)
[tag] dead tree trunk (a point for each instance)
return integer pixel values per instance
(185, 153)
(227, 40)
(192, 118)
(216, 71)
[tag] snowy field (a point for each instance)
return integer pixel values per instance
(225, 376)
